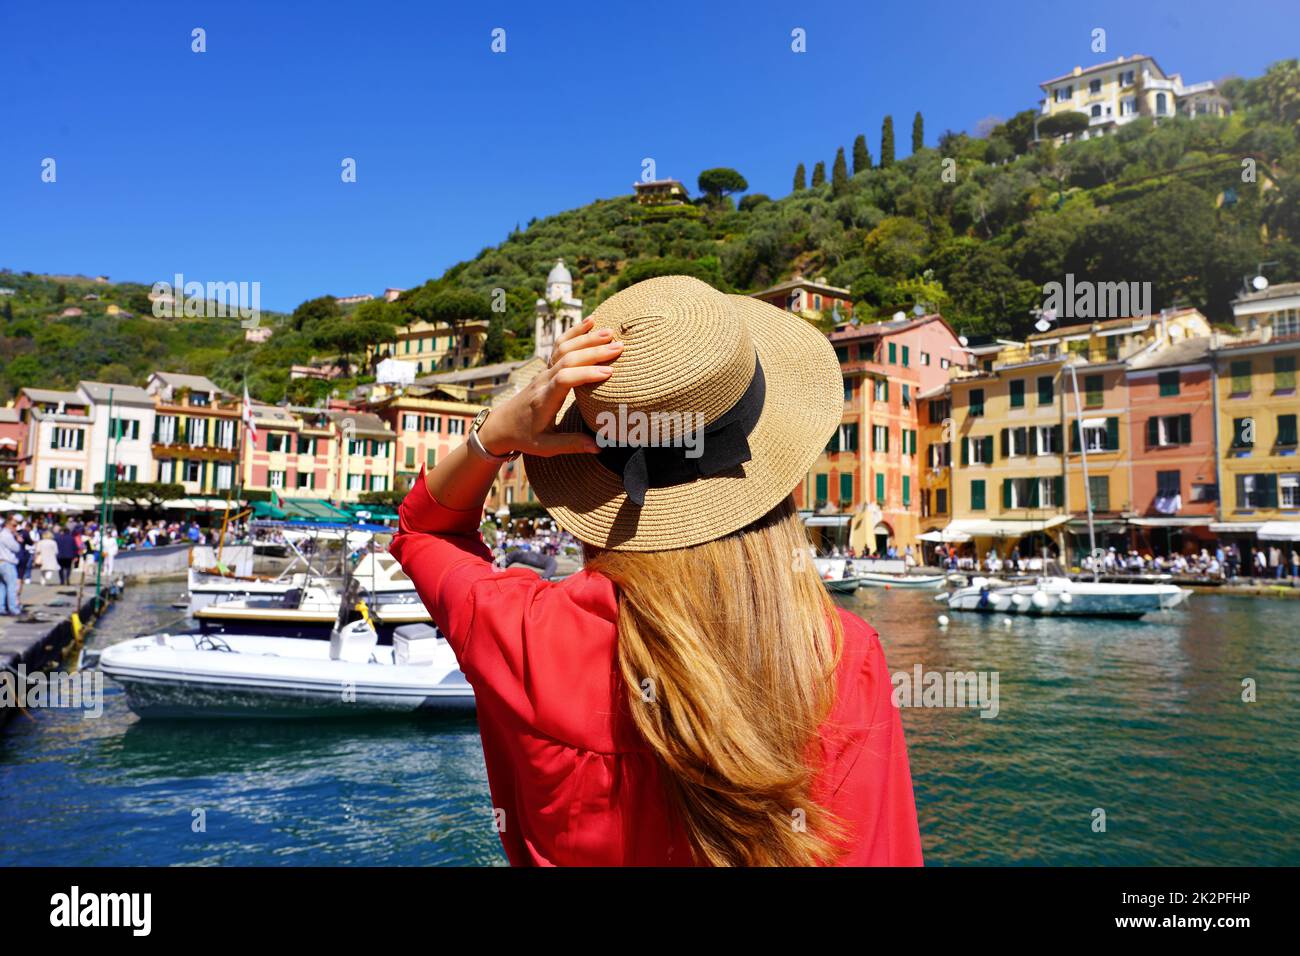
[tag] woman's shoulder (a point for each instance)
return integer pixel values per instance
(863, 672)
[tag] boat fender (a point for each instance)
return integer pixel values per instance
(943, 620)
(1067, 597)
(1039, 599)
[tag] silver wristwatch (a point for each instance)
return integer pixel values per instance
(476, 444)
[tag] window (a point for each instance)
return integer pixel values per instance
(1064, 93)
(410, 422)
(905, 358)
(225, 475)
(1024, 492)
(127, 429)
(166, 469)
(944, 363)
(356, 446)
(940, 455)
(306, 446)
(1094, 86)
(430, 457)
(433, 423)
(844, 438)
(976, 402)
(909, 441)
(880, 487)
(1286, 322)
(1162, 104)
(306, 479)
(226, 434)
(1169, 383)
(1257, 491)
(354, 482)
(1099, 489)
(1168, 484)
(977, 502)
(1048, 438)
(65, 479)
(924, 358)
(192, 471)
(1205, 492)
(1046, 392)
(907, 491)
(275, 441)
(195, 431)
(379, 449)
(199, 398)
(880, 390)
(1051, 492)
(846, 491)
(1015, 442)
(410, 458)
(1288, 487)
(842, 354)
(823, 488)
(1096, 109)
(1094, 387)
(1126, 77)
(1284, 373)
(977, 451)
(1240, 372)
(1098, 438)
(907, 396)
(275, 479)
(68, 439)
(1286, 430)
(1128, 106)
(941, 501)
(1017, 393)
(848, 389)
(880, 438)
(940, 409)
(378, 482)
(455, 426)
(1163, 430)
(893, 354)
(165, 430)
(1242, 429)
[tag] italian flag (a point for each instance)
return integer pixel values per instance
(247, 415)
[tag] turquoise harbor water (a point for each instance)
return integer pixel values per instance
(1142, 720)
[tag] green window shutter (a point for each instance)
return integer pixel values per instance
(1185, 429)
(886, 391)
(81, 439)
(893, 353)
(846, 488)
(907, 491)
(977, 495)
(1286, 429)
(1074, 436)
(1058, 490)
(1284, 372)
(1033, 493)
(1153, 432)
(76, 480)
(1046, 392)
(880, 487)
(965, 451)
(1168, 383)
(1057, 441)
(1112, 434)
(1269, 484)
(1240, 377)
(1018, 393)
(904, 356)
(988, 449)
(822, 492)
(1006, 444)
(1006, 494)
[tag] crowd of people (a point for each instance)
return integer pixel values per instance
(1224, 562)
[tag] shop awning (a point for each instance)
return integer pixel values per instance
(1235, 527)
(943, 534)
(1002, 527)
(1172, 521)
(825, 521)
(1279, 531)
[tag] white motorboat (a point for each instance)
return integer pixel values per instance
(871, 579)
(210, 585)
(1058, 596)
(206, 675)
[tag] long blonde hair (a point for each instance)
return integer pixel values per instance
(728, 651)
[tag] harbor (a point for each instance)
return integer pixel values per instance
(1142, 719)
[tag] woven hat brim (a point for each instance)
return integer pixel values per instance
(803, 407)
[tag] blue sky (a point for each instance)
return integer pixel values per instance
(225, 165)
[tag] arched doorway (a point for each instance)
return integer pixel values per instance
(880, 536)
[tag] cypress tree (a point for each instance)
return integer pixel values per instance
(819, 175)
(918, 133)
(839, 173)
(887, 142)
(800, 178)
(861, 155)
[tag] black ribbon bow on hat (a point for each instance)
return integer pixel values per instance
(723, 444)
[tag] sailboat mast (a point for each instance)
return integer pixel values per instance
(1087, 485)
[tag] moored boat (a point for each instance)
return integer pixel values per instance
(873, 580)
(1060, 597)
(842, 585)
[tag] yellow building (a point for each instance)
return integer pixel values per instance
(436, 348)
(1117, 92)
(1256, 412)
(934, 482)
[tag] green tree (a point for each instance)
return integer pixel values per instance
(861, 155)
(61, 293)
(819, 175)
(800, 182)
(309, 313)
(718, 183)
(1063, 124)
(887, 142)
(839, 173)
(918, 133)
(494, 345)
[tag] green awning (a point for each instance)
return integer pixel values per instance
(312, 509)
(264, 509)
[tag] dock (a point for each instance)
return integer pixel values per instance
(45, 635)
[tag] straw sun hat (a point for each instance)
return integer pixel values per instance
(764, 383)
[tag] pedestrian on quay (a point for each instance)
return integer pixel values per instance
(9, 548)
(67, 552)
(692, 685)
(47, 557)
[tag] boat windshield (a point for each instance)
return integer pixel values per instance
(1053, 570)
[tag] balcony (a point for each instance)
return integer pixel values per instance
(196, 452)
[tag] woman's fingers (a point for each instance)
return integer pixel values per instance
(590, 355)
(576, 339)
(565, 443)
(564, 381)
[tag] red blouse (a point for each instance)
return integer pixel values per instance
(565, 762)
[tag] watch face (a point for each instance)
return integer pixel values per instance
(479, 418)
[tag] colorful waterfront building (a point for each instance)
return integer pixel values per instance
(365, 457)
(1175, 494)
(810, 298)
(196, 433)
(56, 458)
(120, 439)
(274, 457)
(434, 347)
(864, 490)
(427, 424)
(1257, 412)
(13, 440)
